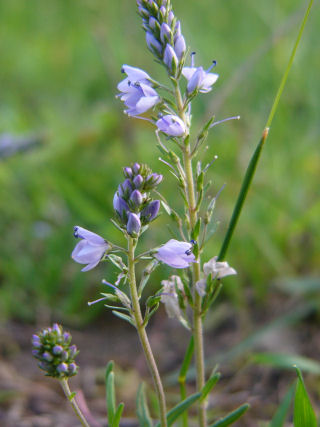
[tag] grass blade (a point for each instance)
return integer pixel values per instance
(286, 361)
(280, 416)
(232, 417)
(303, 412)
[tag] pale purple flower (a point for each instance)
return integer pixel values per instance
(180, 46)
(139, 98)
(199, 79)
(171, 125)
(90, 249)
(176, 254)
(134, 75)
(218, 269)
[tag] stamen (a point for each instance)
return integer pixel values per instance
(214, 63)
(109, 284)
(209, 164)
(225, 120)
(193, 242)
(188, 252)
(192, 58)
(75, 232)
(98, 300)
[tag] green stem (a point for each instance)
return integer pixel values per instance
(256, 155)
(197, 309)
(136, 311)
(68, 394)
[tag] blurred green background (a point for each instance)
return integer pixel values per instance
(60, 64)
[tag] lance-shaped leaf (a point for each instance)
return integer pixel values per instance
(303, 415)
(231, 417)
(110, 392)
(142, 408)
(179, 409)
(212, 381)
(280, 416)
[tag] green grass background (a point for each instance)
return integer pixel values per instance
(60, 64)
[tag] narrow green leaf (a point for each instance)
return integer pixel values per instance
(111, 397)
(109, 368)
(212, 381)
(303, 415)
(280, 416)
(179, 409)
(279, 360)
(124, 317)
(142, 408)
(186, 361)
(72, 395)
(117, 415)
(232, 417)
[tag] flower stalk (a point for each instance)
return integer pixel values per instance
(71, 397)
(140, 326)
(197, 309)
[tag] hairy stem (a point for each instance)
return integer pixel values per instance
(68, 394)
(197, 315)
(142, 333)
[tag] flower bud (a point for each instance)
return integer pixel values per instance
(133, 224)
(73, 368)
(150, 212)
(125, 188)
(153, 43)
(170, 59)
(62, 368)
(170, 17)
(120, 206)
(127, 172)
(165, 33)
(135, 168)
(171, 125)
(153, 22)
(136, 198)
(57, 349)
(180, 46)
(138, 181)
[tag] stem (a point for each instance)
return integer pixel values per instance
(197, 310)
(68, 394)
(136, 311)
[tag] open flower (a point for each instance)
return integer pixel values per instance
(171, 125)
(90, 249)
(218, 269)
(176, 254)
(199, 79)
(138, 97)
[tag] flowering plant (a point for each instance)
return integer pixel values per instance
(187, 297)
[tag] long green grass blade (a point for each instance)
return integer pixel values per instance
(142, 408)
(232, 417)
(303, 415)
(280, 416)
(286, 361)
(257, 153)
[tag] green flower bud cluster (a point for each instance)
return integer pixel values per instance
(54, 352)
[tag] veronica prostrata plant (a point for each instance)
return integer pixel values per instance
(194, 285)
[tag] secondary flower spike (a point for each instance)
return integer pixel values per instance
(176, 254)
(90, 249)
